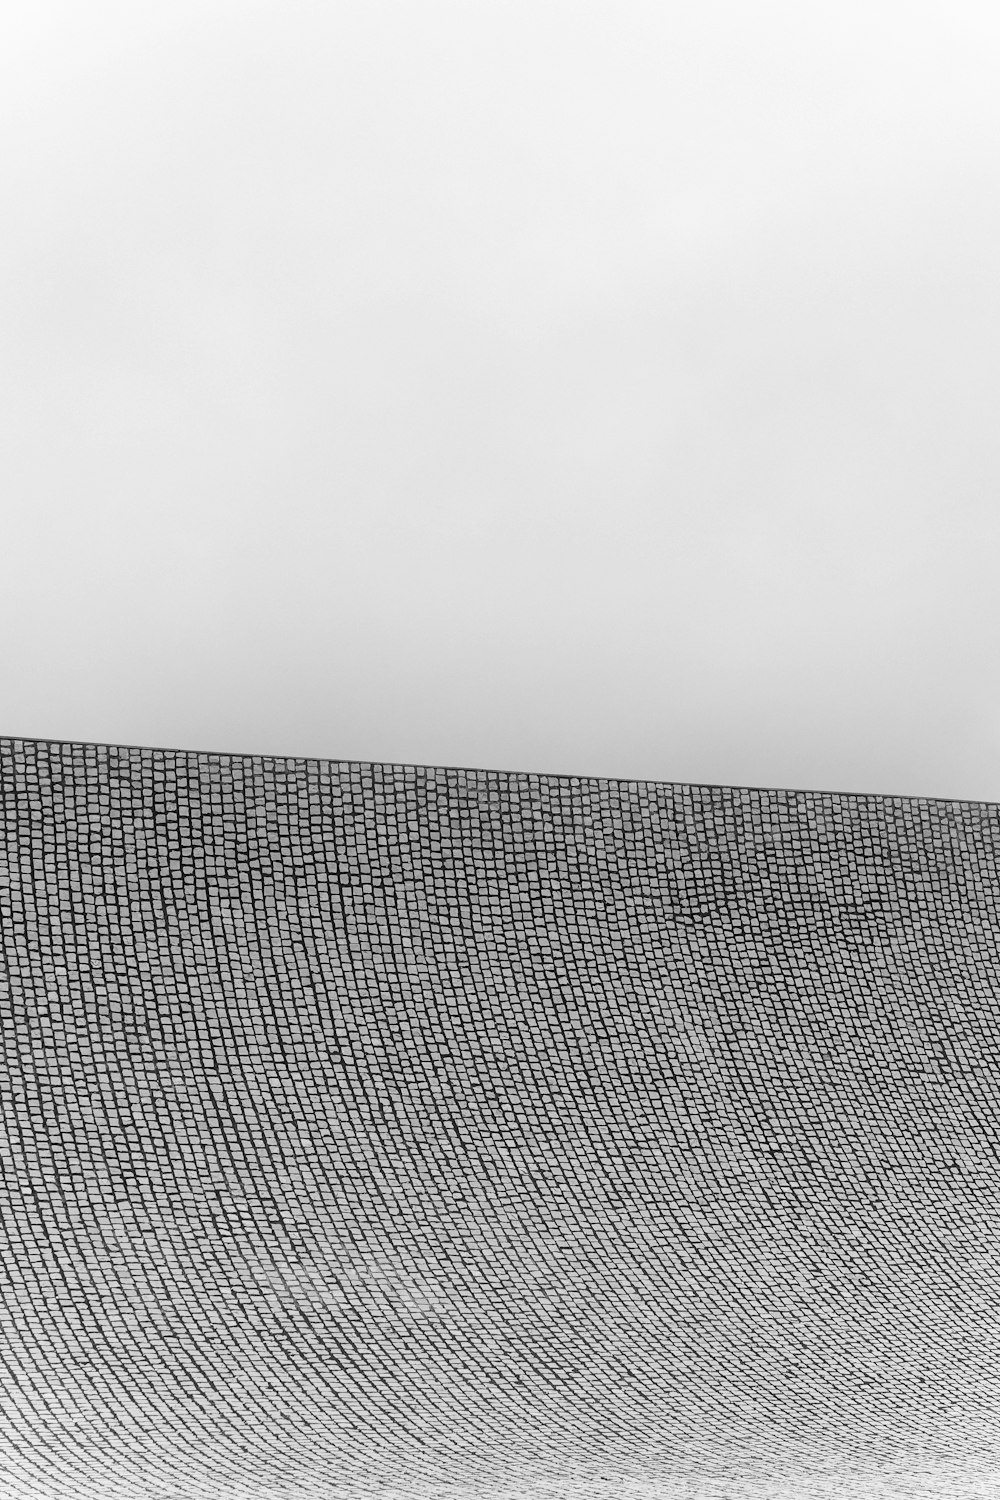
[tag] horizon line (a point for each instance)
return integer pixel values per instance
(491, 770)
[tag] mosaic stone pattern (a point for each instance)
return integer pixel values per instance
(384, 1132)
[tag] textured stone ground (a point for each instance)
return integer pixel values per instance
(420, 1134)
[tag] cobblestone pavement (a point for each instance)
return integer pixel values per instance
(383, 1132)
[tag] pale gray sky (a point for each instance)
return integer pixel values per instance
(607, 388)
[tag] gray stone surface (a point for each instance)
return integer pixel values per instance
(424, 1134)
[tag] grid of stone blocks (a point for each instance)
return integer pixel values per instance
(434, 1134)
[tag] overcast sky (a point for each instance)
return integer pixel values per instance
(603, 388)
